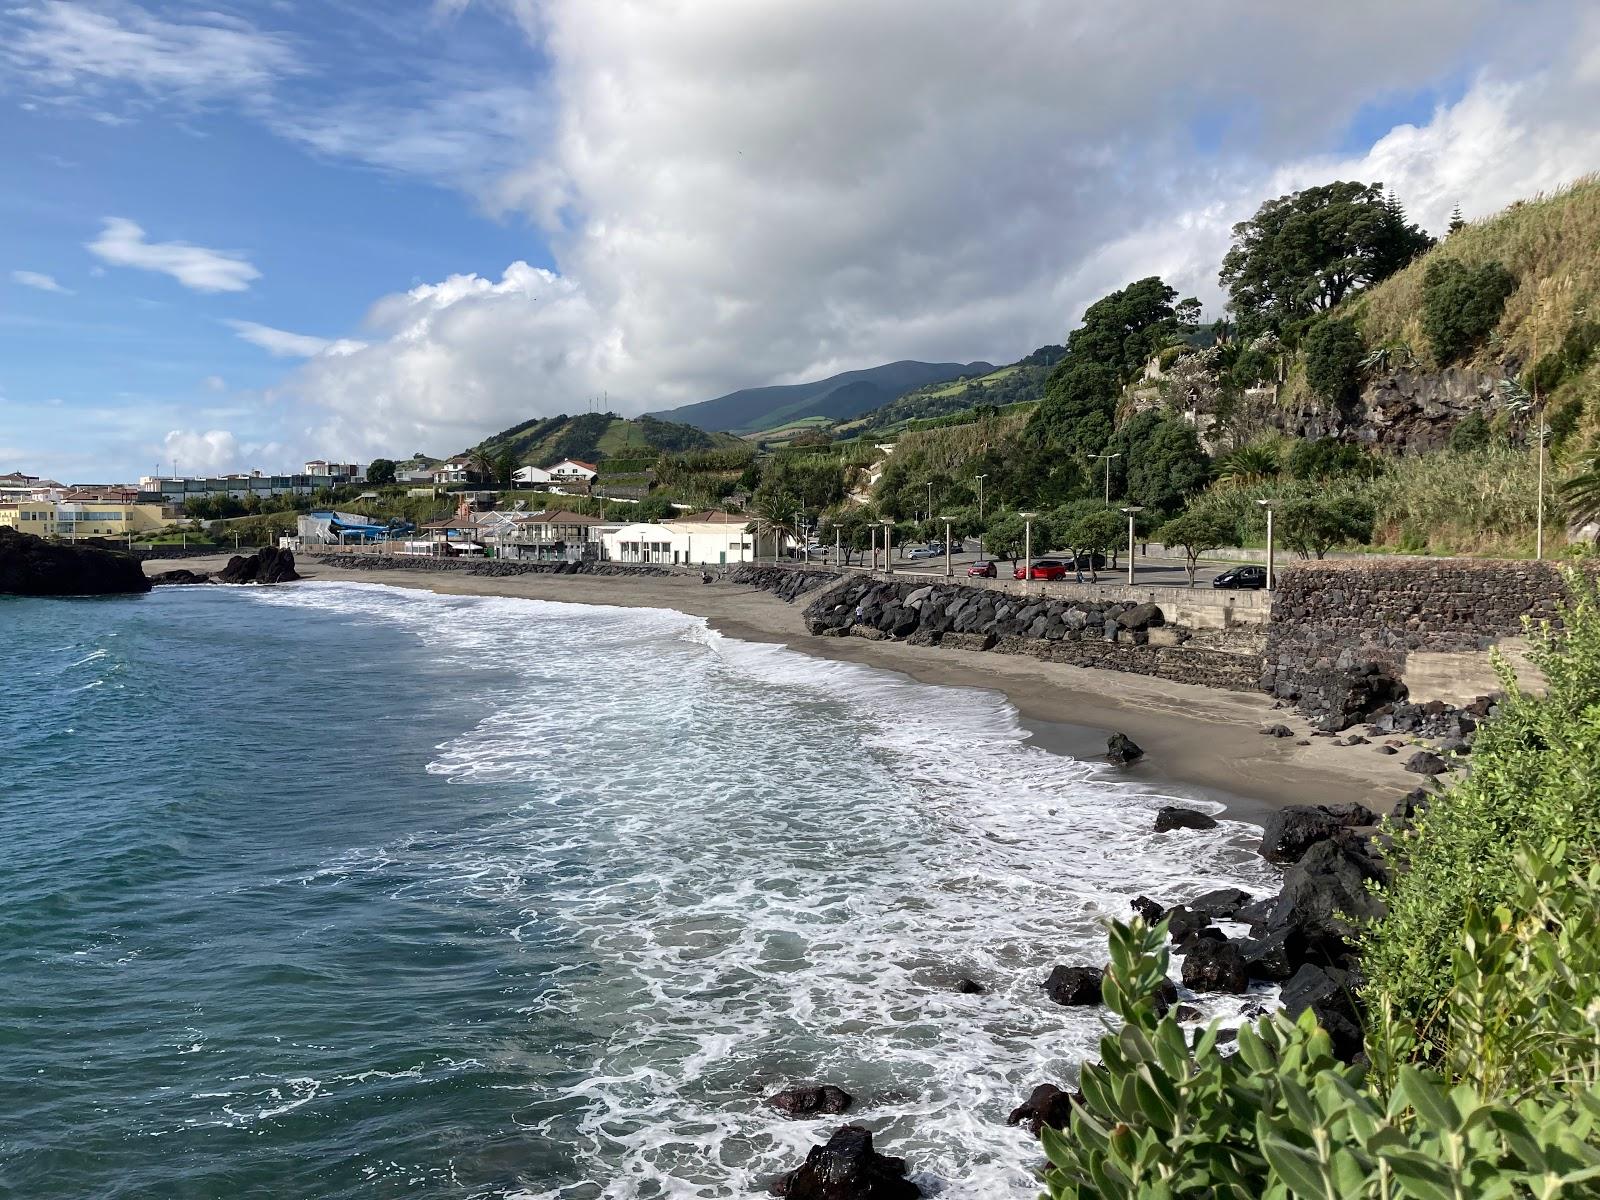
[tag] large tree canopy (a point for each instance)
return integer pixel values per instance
(1303, 253)
(1121, 331)
(1160, 462)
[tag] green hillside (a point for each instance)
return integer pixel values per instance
(1021, 382)
(594, 437)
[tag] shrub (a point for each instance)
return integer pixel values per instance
(1462, 304)
(1313, 525)
(1328, 458)
(1470, 433)
(1333, 351)
(1534, 783)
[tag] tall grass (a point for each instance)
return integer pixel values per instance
(1550, 243)
(1463, 502)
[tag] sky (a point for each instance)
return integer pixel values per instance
(239, 234)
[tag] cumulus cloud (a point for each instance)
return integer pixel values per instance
(742, 194)
(197, 453)
(73, 48)
(281, 343)
(122, 244)
(40, 281)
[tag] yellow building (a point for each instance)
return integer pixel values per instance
(73, 519)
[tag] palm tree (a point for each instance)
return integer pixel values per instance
(482, 464)
(1581, 493)
(1250, 465)
(775, 519)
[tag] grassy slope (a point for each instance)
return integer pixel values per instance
(595, 437)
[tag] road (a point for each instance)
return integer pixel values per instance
(1152, 572)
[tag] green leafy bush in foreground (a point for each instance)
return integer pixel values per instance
(1483, 1039)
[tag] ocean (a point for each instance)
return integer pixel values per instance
(337, 890)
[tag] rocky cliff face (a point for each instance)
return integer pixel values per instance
(1405, 410)
(31, 566)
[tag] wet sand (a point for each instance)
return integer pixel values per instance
(1197, 741)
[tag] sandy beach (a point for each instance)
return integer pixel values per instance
(1197, 740)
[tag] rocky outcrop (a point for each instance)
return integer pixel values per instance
(179, 576)
(1408, 410)
(1290, 831)
(267, 565)
(1046, 1105)
(1122, 750)
(1215, 966)
(848, 1168)
(1075, 987)
(811, 1100)
(32, 566)
(1173, 817)
(787, 584)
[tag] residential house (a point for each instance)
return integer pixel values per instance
(343, 472)
(530, 475)
(701, 539)
(85, 516)
(571, 470)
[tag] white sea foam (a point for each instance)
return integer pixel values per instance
(776, 867)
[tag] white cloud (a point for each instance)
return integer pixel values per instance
(741, 194)
(77, 48)
(41, 281)
(122, 244)
(283, 344)
(197, 453)
(214, 383)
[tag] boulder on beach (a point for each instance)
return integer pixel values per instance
(811, 1100)
(1148, 909)
(1424, 762)
(1122, 750)
(31, 566)
(1331, 994)
(267, 565)
(181, 576)
(1211, 966)
(1222, 904)
(1289, 832)
(1075, 986)
(1046, 1105)
(1175, 817)
(848, 1168)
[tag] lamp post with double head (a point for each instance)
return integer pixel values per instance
(888, 539)
(1108, 458)
(1267, 504)
(1131, 511)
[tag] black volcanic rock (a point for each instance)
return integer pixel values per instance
(1122, 750)
(1174, 817)
(1075, 986)
(811, 1101)
(31, 566)
(1046, 1105)
(267, 565)
(848, 1168)
(180, 576)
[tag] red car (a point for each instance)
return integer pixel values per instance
(981, 570)
(1043, 568)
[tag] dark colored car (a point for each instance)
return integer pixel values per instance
(981, 570)
(1088, 562)
(1044, 568)
(1241, 577)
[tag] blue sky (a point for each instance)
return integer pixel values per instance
(246, 233)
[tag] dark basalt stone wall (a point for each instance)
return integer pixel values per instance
(1110, 635)
(787, 583)
(493, 567)
(1341, 631)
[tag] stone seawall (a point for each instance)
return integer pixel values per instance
(787, 583)
(1109, 635)
(1348, 637)
(492, 567)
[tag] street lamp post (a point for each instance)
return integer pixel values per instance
(1267, 504)
(948, 569)
(1108, 458)
(930, 499)
(838, 548)
(1131, 510)
(980, 479)
(888, 541)
(1027, 547)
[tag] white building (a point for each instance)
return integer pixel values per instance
(683, 542)
(530, 475)
(571, 469)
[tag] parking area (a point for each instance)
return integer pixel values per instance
(1151, 571)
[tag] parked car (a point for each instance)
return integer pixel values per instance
(981, 570)
(1241, 577)
(1043, 568)
(931, 550)
(1088, 562)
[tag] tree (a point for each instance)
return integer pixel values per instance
(653, 508)
(1198, 531)
(1333, 359)
(855, 526)
(1250, 465)
(1461, 305)
(381, 470)
(1328, 458)
(1313, 525)
(1080, 400)
(1303, 253)
(1122, 330)
(481, 462)
(1006, 535)
(1457, 221)
(1088, 527)
(1160, 463)
(505, 466)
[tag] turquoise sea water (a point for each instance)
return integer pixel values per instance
(340, 891)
